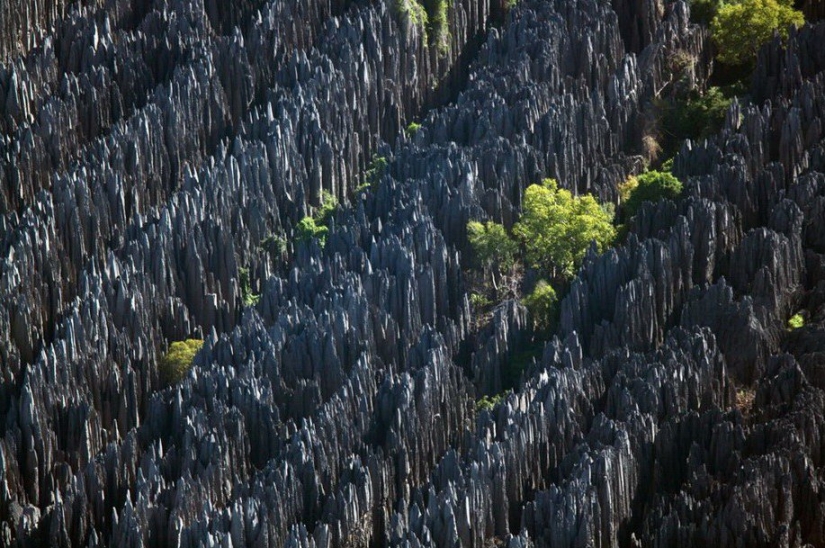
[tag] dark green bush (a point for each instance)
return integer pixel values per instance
(376, 169)
(695, 117)
(650, 186)
(703, 11)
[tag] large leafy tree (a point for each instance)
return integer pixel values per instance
(740, 28)
(557, 228)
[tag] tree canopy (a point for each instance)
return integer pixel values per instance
(740, 28)
(492, 245)
(650, 186)
(178, 360)
(557, 228)
(541, 304)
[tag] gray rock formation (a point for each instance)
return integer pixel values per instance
(151, 151)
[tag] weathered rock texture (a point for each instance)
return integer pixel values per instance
(151, 149)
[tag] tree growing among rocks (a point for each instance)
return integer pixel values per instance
(557, 228)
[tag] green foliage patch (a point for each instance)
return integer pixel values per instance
(492, 245)
(274, 244)
(178, 360)
(414, 11)
(479, 301)
(440, 25)
(557, 228)
(249, 298)
(487, 403)
(541, 304)
(316, 227)
(329, 203)
(693, 117)
(307, 229)
(796, 321)
(740, 28)
(650, 186)
(703, 11)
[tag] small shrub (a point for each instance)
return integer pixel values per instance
(627, 187)
(414, 11)
(479, 301)
(329, 203)
(744, 400)
(376, 169)
(274, 245)
(650, 186)
(488, 403)
(541, 304)
(178, 360)
(650, 148)
(796, 321)
(307, 229)
(412, 129)
(680, 61)
(249, 298)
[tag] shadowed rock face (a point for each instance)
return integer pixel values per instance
(150, 149)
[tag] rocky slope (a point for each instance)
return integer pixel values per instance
(152, 149)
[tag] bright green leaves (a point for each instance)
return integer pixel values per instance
(739, 29)
(178, 360)
(541, 304)
(316, 227)
(307, 229)
(557, 228)
(492, 245)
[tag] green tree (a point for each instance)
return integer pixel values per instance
(541, 304)
(178, 360)
(650, 186)
(495, 250)
(740, 28)
(703, 11)
(692, 117)
(557, 227)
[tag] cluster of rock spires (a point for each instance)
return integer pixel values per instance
(151, 149)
